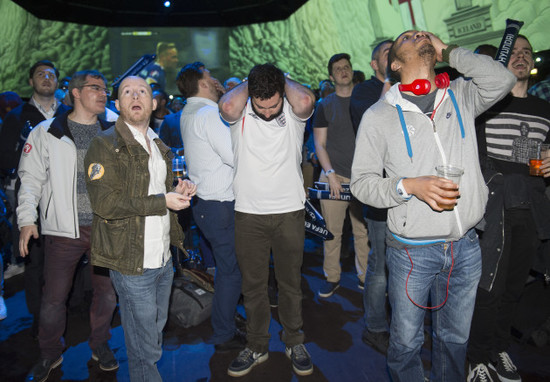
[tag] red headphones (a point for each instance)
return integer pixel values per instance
(422, 86)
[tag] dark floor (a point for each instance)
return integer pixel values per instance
(332, 326)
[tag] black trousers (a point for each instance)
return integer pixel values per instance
(495, 309)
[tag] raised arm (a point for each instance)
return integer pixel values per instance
(233, 102)
(300, 98)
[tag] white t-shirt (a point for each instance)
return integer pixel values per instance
(267, 156)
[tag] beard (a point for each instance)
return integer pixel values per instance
(134, 120)
(427, 51)
(270, 118)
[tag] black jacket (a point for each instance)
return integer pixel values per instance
(10, 145)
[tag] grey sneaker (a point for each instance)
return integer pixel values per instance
(104, 355)
(505, 368)
(479, 373)
(41, 370)
(245, 361)
(328, 288)
(301, 360)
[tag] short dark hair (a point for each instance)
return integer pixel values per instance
(526, 39)
(265, 80)
(336, 58)
(358, 77)
(376, 50)
(188, 78)
(164, 46)
(163, 94)
(79, 79)
(486, 49)
(392, 56)
(43, 63)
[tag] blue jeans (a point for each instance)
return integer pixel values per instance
(451, 322)
(216, 220)
(143, 301)
(374, 297)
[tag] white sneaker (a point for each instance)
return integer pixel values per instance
(3, 310)
(505, 368)
(13, 270)
(480, 373)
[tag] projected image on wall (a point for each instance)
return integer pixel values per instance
(174, 47)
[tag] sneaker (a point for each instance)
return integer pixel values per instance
(361, 285)
(301, 360)
(245, 361)
(13, 270)
(3, 309)
(104, 355)
(505, 368)
(379, 341)
(480, 373)
(328, 288)
(41, 371)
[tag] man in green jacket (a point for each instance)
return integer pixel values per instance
(129, 175)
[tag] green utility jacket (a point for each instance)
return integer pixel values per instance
(118, 181)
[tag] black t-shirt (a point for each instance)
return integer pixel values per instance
(333, 113)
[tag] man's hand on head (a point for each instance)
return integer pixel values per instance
(438, 45)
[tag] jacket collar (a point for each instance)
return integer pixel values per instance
(127, 139)
(60, 125)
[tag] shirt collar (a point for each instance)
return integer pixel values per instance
(52, 108)
(202, 100)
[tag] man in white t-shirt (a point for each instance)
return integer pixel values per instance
(267, 132)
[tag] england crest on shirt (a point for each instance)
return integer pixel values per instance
(281, 120)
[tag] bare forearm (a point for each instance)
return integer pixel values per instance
(233, 102)
(300, 98)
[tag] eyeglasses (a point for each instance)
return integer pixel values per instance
(97, 88)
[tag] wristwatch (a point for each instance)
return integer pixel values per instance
(329, 172)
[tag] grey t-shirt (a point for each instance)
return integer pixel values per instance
(333, 113)
(83, 135)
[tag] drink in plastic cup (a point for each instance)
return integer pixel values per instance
(454, 174)
(178, 166)
(543, 151)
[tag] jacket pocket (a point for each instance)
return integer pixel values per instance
(113, 237)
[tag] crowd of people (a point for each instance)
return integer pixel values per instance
(85, 179)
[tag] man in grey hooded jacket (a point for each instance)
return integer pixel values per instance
(408, 135)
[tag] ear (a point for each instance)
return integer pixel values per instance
(154, 104)
(331, 78)
(395, 66)
(30, 82)
(202, 83)
(76, 93)
(374, 65)
(117, 105)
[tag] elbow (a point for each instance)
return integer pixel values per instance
(227, 109)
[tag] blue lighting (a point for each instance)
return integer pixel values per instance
(167, 4)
